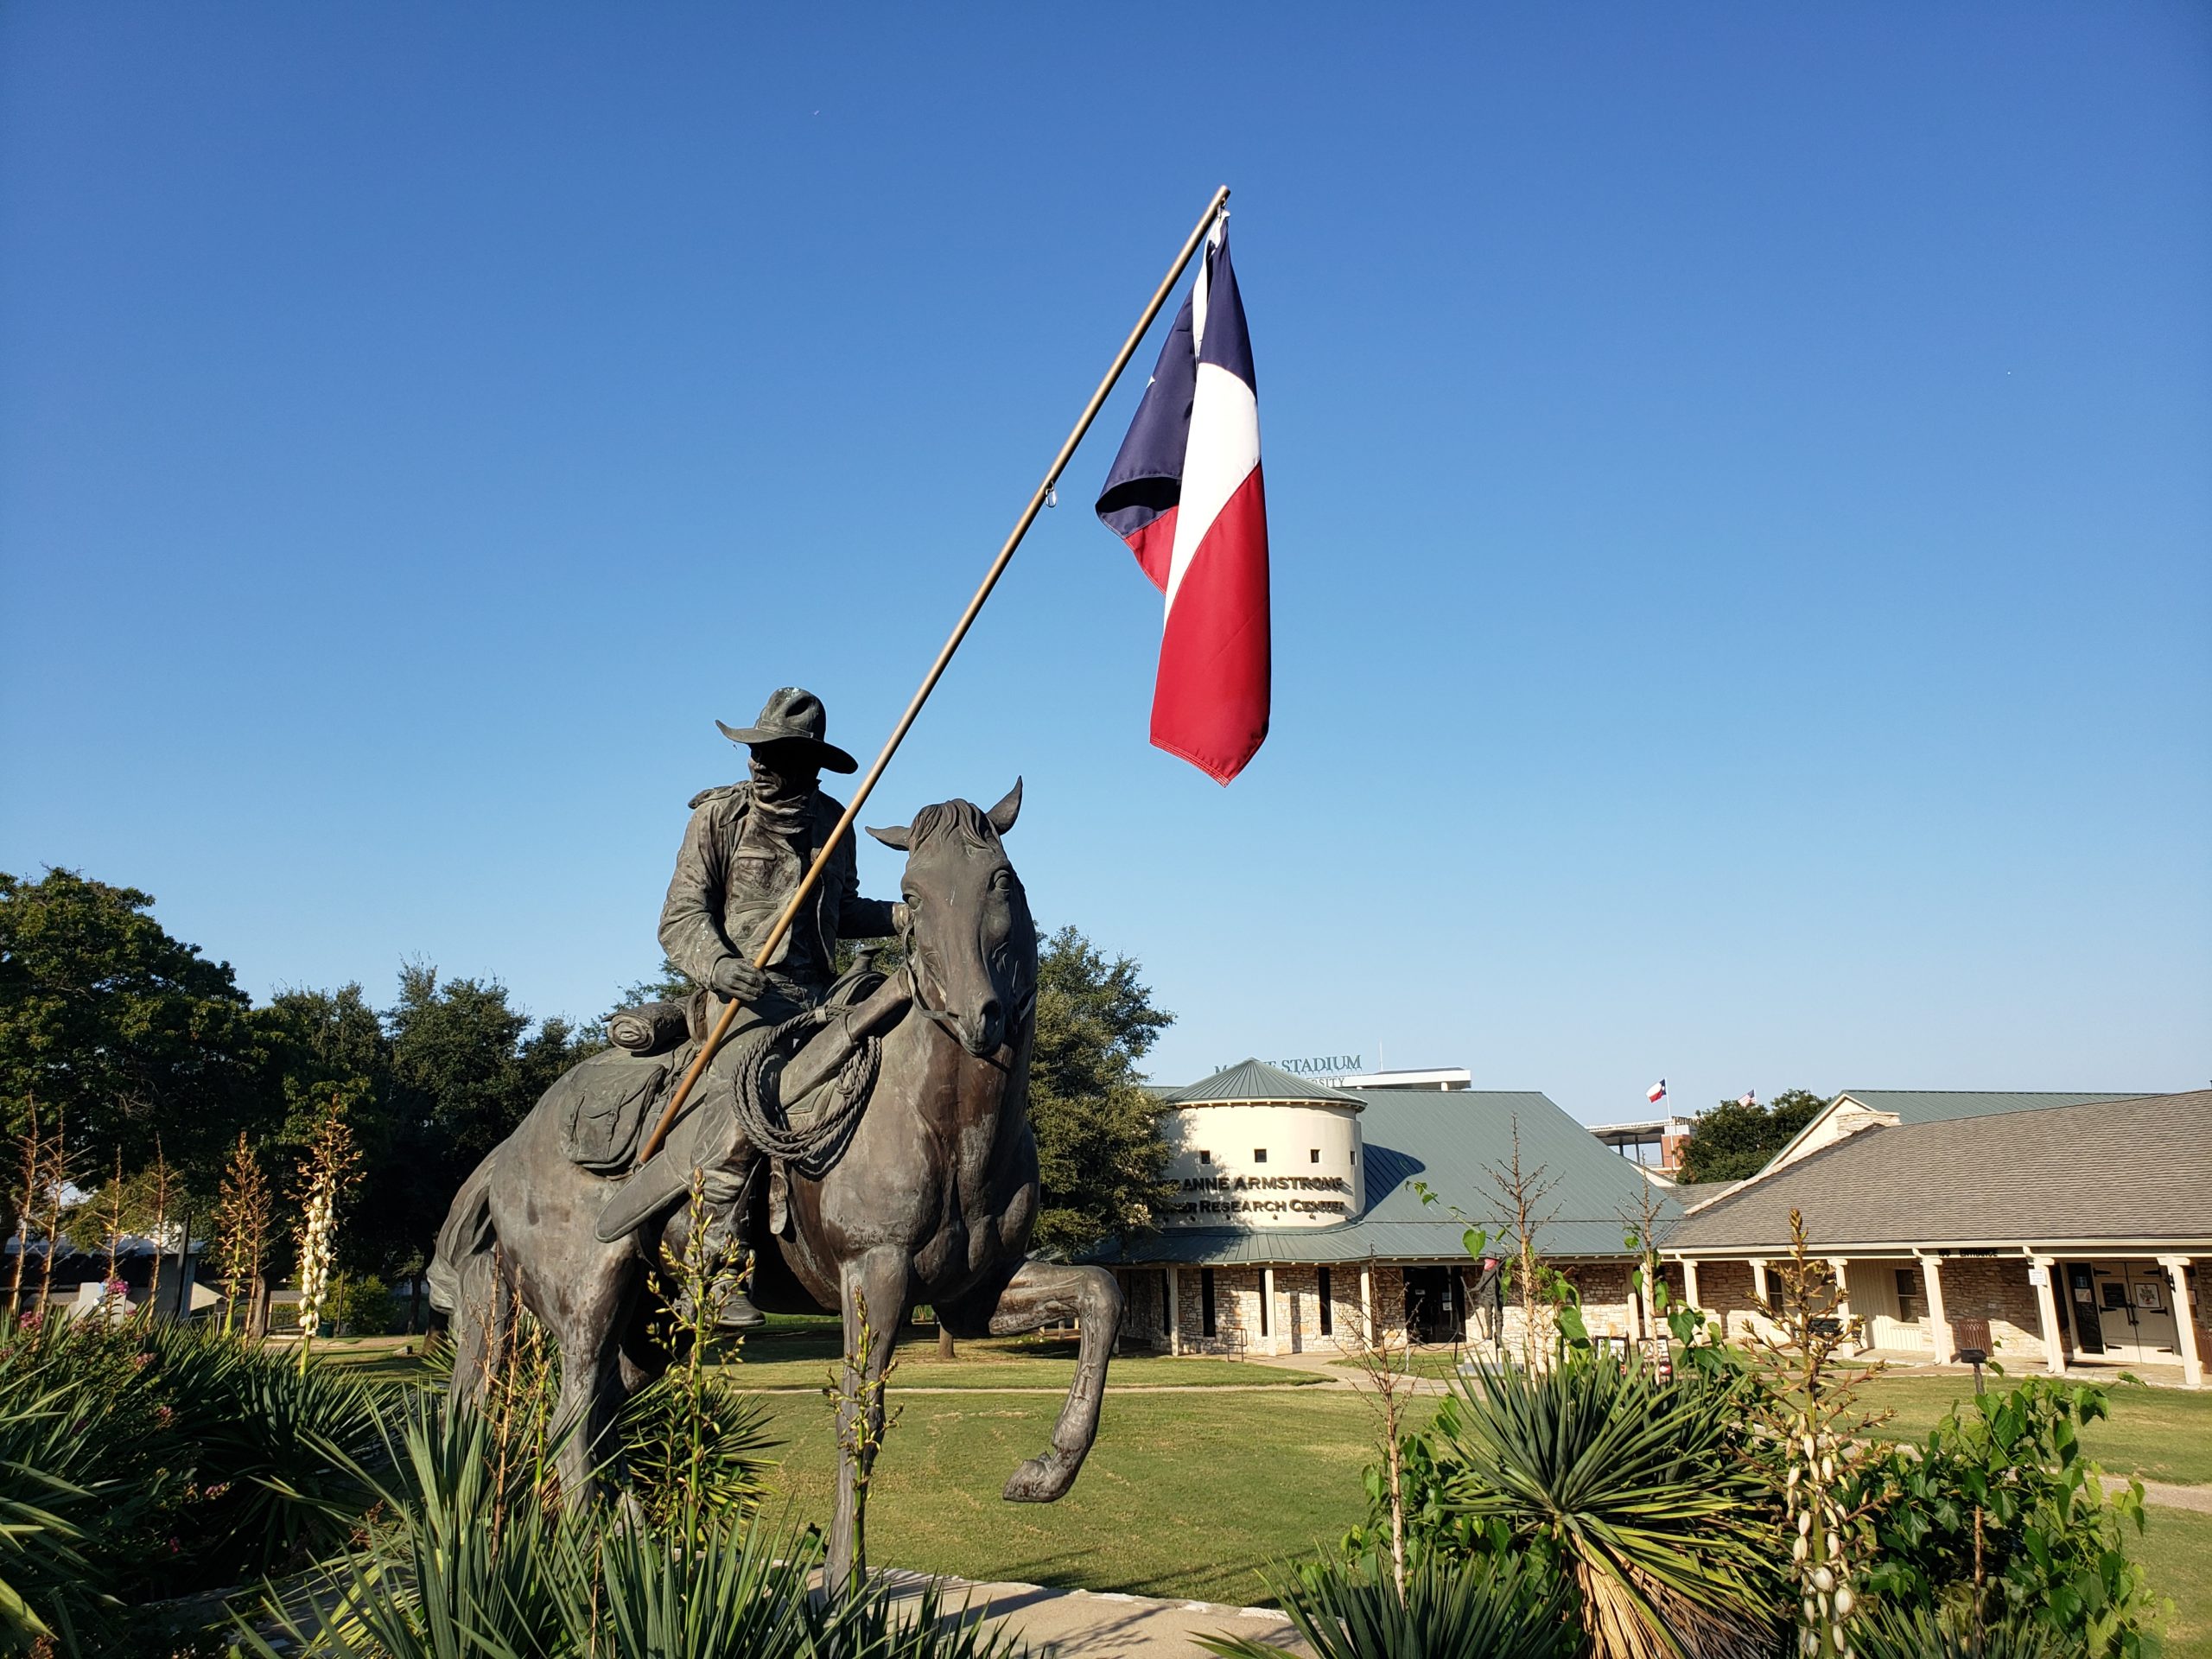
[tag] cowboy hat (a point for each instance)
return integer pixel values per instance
(791, 716)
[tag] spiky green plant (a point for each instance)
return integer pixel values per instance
(275, 1450)
(437, 1581)
(1956, 1629)
(1494, 1608)
(1628, 1487)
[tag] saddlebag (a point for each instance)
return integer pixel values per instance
(606, 1111)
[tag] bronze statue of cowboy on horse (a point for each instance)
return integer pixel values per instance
(894, 1109)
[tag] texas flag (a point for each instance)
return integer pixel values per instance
(1185, 494)
(1656, 1092)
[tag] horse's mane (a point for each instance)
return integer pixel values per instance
(962, 818)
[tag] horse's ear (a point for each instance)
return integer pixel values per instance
(1003, 815)
(897, 837)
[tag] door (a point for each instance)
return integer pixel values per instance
(2082, 1303)
(2135, 1312)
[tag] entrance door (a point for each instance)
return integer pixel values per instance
(2135, 1312)
(2082, 1303)
(1432, 1311)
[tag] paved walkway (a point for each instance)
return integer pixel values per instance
(1087, 1624)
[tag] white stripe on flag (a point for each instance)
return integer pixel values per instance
(1223, 449)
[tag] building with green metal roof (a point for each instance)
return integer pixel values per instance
(1299, 1224)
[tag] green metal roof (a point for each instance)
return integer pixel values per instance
(1449, 1139)
(1257, 1081)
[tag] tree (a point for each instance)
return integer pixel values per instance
(1099, 1151)
(1734, 1141)
(107, 1019)
(461, 1069)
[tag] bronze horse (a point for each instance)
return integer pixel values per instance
(932, 1201)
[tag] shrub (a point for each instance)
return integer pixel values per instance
(1489, 1609)
(366, 1308)
(143, 1460)
(1998, 1510)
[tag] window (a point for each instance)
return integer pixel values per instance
(1205, 1303)
(1328, 1318)
(1313, 1155)
(1205, 1157)
(1355, 1157)
(1259, 1154)
(1909, 1285)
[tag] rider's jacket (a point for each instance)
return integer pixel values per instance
(736, 871)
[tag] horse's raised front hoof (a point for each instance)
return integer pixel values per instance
(1040, 1480)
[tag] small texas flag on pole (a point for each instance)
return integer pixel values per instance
(1185, 494)
(1656, 1092)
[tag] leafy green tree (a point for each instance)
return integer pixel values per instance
(1099, 1151)
(460, 1068)
(1733, 1141)
(107, 1018)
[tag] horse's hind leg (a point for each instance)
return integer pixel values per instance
(875, 1288)
(593, 1384)
(1038, 1292)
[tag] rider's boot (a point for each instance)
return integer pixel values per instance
(727, 1244)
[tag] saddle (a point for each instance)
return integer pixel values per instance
(810, 1140)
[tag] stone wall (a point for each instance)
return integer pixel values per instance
(1995, 1288)
(1726, 1292)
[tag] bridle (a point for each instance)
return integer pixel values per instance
(1017, 1016)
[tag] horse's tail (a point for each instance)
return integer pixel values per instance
(466, 1235)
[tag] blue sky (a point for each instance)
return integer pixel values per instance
(1740, 482)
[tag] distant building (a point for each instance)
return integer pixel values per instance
(78, 1282)
(1652, 1143)
(1295, 1227)
(2068, 1231)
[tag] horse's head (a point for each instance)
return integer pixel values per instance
(971, 943)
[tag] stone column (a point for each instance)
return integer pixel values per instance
(1757, 1317)
(1174, 1312)
(2054, 1342)
(1270, 1315)
(1689, 1281)
(1635, 1320)
(1939, 1322)
(1367, 1304)
(2192, 1363)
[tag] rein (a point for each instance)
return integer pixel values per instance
(943, 1020)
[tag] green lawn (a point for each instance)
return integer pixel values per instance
(1184, 1494)
(797, 1353)
(2158, 1433)
(1441, 1363)
(2176, 1548)
(794, 1353)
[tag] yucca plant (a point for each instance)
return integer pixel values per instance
(277, 1451)
(1496, 1607)
(1627, 1486)
(1955, 1630)
(466, 1566)
(45, 1579)
(722, 1466)
(634, 1593)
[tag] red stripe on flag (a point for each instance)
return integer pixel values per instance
(1209, 702)
(1154, 546)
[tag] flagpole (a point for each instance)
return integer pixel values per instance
(807, 883)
